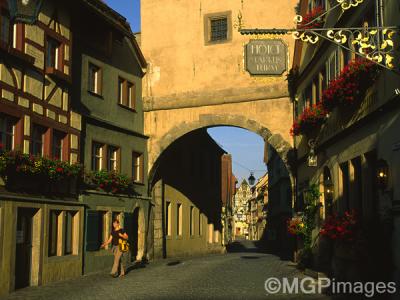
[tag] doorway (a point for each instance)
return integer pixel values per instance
(24, 247)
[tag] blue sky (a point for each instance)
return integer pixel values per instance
(247, 148)
(130, 9)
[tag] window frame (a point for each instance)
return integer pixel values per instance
(179, 219)
(6, 120)
(115, 160)
(72, 214)
(97, 157)
(140, 157)
(10, 32)
(54, 233)
(62, 136)
(56, 61)
(34, 141)
(168, 218)
(208, 18)
(126, 93)
(95, 79)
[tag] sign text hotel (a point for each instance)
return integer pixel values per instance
(266, 57)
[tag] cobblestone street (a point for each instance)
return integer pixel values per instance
(238, 275)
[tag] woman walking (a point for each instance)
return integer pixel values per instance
(116, 234)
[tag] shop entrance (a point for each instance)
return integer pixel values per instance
(25, 252)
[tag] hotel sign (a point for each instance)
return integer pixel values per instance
(266, 57)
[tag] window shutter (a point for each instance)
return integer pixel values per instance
(92, 230)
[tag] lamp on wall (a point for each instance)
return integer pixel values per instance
(25, 11)
(251, 179)
(312, 157)
(382, 173)
(328, 184)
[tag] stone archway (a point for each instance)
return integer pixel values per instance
(280, 144)
(141, 233)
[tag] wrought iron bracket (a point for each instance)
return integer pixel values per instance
(373, 43)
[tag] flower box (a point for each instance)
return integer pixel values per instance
(347, 90)
(313, 19)
(110, 182)
(350, 86)
(309, 121)
(38, 175)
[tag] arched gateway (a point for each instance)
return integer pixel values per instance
(223, 117)
(198, 75)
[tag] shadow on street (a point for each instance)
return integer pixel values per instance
(247, 246)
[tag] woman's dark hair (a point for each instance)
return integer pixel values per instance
(116, 221)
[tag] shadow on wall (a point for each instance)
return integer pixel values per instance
(275, 238)
(190, 170)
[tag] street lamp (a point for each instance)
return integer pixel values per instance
(25, 11)
(251, 179)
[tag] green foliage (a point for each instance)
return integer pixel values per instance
(312, 206)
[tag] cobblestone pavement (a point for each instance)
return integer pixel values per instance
(239, 275)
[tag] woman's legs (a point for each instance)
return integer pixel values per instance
(122, 263)
(117, 260)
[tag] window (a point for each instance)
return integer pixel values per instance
(95, 79)
(344, 186)
(191, 219)
(332, 66)
(7, 132)
(356, 185)
(210, 232)
(96, 230)
(168, 218)
(200, 223)
(97, 156)
(57, 144)
(137, 167)
(121, 88)
(5, 28)
(216, 236)
(69, 232)
(54, 226)
(179, 219)
(37, 139)
(131, 95)
(317, 3)
(52, 52)
(126, 93)
(112, 158)
(219, 29)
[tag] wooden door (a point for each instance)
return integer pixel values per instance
(23, 255)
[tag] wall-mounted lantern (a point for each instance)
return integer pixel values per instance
(312, 157)
(25, 11)
(328, 185)
(382, 174)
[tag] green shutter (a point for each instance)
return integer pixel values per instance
(93, 225)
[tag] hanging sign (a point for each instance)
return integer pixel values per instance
(266, 57)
